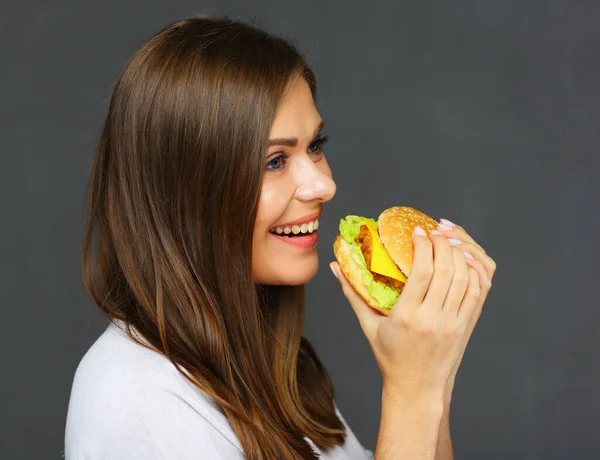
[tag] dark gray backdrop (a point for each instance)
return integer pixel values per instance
(482, 112)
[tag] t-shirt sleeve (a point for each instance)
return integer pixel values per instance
(160, 425)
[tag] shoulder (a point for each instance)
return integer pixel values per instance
(131, 402)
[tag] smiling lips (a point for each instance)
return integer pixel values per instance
(305, 228)
(304, 225)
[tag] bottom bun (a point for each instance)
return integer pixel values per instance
(352, 272)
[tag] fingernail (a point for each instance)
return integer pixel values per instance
(419, 231)
(468, 256)
(333, 271)
(454, 241)
(435, 232)
(445, 227)
(447, 222)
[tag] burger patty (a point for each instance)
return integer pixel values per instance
(365, 242)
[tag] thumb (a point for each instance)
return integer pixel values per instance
(367, 317)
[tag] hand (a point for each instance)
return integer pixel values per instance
(418, 345)
(485, 267)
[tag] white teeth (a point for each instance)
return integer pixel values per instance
(307, 227)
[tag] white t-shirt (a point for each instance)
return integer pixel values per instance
(129, 402)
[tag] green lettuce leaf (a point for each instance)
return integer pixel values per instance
(350, 229)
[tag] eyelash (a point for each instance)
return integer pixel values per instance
(319, 143)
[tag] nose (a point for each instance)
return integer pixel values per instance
(314, 183)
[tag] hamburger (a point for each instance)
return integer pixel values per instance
(376, 256)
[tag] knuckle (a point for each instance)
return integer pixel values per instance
(474, 291)
(426, 329)
(478, 264)
(403, 321)
(461, 279)
(445, 271)
(423, 272)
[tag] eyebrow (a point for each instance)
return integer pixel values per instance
(293, 141)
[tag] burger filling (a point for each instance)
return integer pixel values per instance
(365, 242)
(381, 275)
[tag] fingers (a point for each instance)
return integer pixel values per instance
(480, 255)
(420, 276)
(443, 273)
(485, 283)
(464, 241)
(460, 283)
(456, 231)
(473, 304)
(471, 298)
(367, 316)
(482, 264)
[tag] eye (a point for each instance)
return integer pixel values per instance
(318, 144)
(277, 162)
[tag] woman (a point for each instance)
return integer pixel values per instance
(211, 142)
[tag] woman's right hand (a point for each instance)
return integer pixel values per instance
(418, 345)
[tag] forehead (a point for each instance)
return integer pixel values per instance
(297, 114)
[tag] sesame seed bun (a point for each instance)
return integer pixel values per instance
(395, 226)
(395, 231)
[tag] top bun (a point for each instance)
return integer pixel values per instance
(395, 231)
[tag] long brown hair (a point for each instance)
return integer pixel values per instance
(171, 207)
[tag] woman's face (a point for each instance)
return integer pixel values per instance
(297, 181)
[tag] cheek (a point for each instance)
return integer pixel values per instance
(272, 204)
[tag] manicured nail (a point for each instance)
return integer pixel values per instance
(419, 231)
(445, 227)
(454, 241)
(468, 256)
(333, 271)
(435, 232)
(447, 222)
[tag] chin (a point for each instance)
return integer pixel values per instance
(296, 275)
(301, 278)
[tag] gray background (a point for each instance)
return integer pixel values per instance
(482, 112)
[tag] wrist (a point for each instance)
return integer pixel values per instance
(431, 400)
(410, 423)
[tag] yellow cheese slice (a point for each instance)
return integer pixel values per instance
(381, 262)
